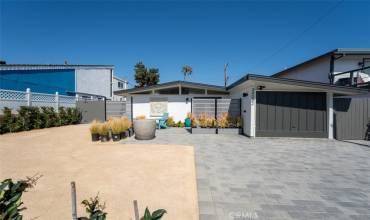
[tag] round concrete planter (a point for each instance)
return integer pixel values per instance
(144, 129)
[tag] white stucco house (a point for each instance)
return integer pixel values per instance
(270, 106)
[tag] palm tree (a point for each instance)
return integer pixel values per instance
(186, 70)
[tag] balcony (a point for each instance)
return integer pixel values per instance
(355, 78)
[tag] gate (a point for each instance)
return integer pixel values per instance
(215, 106)
(351, 118)
(115, 109)
(91, 110)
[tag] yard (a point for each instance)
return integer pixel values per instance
(236, 177)
(160, 176)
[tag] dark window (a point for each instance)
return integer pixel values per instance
(120, 85)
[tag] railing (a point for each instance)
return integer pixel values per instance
(14, 99)
(356, 78)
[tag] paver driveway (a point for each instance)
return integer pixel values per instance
(277, 178)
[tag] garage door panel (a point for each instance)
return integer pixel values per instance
(291, 114)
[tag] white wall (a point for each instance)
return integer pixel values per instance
(94, 81)
(347, 63)
(177, 106)
(316, 71)
(248, 107)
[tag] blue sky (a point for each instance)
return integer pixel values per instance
(258, 37)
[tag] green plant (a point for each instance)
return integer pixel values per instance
(145, 76)
(10, 122)
(187, 71)
(94, 209)
(49, 116)
(63, 117)
(30, 118)
(170, 121)
(180, 124)
(11, 195)
(157, 214)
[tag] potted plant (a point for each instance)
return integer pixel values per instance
(125, 126)
(94, 130)
(116, 129)
(206, 125)
(188, 120)
(228, 125)
(104, 132)
(144, 128)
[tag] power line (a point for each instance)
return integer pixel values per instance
(287, 44)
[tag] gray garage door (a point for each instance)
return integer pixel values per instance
(291, 114)
(352, 118)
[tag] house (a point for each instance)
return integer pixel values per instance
(83, 80)
(118, 84)
(342, 66)
(269, 106)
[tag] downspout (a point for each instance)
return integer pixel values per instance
(331, 70)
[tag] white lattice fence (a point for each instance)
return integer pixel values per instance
(14, 99)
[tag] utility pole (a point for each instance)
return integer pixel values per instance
(226, 77)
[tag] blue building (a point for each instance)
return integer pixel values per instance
(66, 79)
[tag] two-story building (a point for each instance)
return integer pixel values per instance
(66, 79)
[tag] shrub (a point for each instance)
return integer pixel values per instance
(180, 124)
(116, 126)
(10, 122)
(94, 209)
(11, 195)
(170, 121)
(94, 127)
(140, 117)
(104, 128)
(125, 123)
(76, 116)
(49, 116)
(63, 117)
(223, 120)
(30, 118)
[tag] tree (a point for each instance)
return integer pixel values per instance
(145, 76)
(186, 70)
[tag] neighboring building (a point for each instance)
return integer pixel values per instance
(84, 80)
(118, 84)
(343, 66)
(270, 106)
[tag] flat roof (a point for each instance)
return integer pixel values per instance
(172, 84)
(338, 51)
(52, 66)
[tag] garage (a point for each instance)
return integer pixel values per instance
(291, 114)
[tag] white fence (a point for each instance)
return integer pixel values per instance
(14, 99)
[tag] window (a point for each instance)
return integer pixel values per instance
(120, 85)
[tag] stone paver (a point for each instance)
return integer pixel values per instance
(276, 178)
